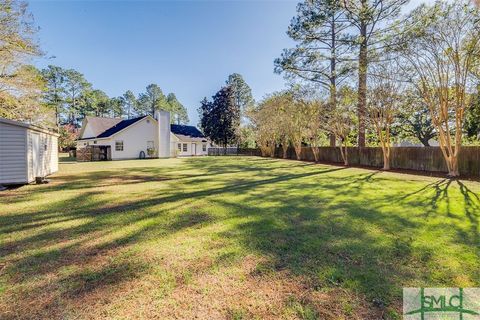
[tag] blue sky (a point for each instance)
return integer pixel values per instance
(188, 48)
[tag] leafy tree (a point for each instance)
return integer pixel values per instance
(68, 136)
(369, 18)
(54, 95)
(242, 93)
(177, 109)
(442, 46)
(323, 46)
(384, 102)
(23, 102)
(220, 118)
(75, 86)
(100, 103)
(152, 99)
(204, 112)
(21, 85)
(93, 103)
(269, 130)
(115, 106)
(314, 129)
(341, 121)
(414, 119)
(129, 103)
(285, 118)
(296, 116)
(472, 121)
(246, 138)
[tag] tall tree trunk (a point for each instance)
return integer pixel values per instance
(316, 152)
(424, 141)
(57, 115)
(333, 106)
(386, 157)
(449, 152)
(272, 150)
(333, 76)
(344, 151)
(362, 82)
(298, 151)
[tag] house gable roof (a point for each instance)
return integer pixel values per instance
(183, 130)
(99, 125)
(119, 126)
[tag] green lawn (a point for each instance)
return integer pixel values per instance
(231, 237)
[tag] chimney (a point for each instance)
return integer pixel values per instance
(163, 120)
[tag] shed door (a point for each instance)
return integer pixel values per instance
(194, 148)
(36, 156)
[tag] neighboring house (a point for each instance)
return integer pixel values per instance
(27, 152)
(146, 136)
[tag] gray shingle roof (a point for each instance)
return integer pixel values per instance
(119, 126)
(99, 124)
(190, 131)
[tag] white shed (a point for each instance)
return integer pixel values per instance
(26, 152)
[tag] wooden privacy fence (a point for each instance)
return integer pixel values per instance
(429, 159)
(234, 151)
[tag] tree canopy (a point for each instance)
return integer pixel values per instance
(220, 118)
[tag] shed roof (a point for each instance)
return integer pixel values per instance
(28, 126)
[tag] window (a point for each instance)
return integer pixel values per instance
(184, 147)
(119, 145)
(94, 141)
(179, 147)
(204, 147)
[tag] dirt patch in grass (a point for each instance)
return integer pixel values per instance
(127, 288)
(245, 294)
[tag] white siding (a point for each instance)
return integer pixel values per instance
(135, 139)
(48, 158)
(13, 162)
(174, 151)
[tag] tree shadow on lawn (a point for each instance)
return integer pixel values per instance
(136, 175)
(104, 214)
(362, 246)
(52, 249)
(293, 217)
(89, 258)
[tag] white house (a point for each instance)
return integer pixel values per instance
(146, 136)
(27, 152)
